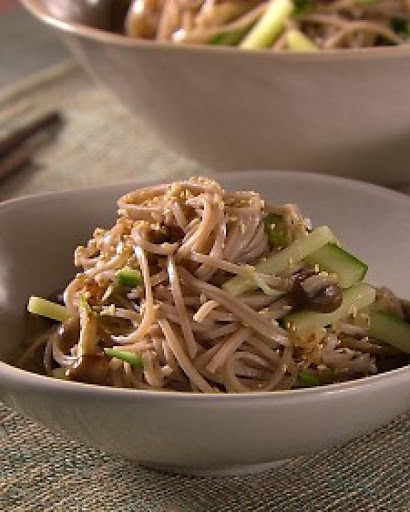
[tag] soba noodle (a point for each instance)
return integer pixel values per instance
(178, 324)
(313, 24)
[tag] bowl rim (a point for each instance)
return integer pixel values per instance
(23, 378)
(260, 173)
(103, 36)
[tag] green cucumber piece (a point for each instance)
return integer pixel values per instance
(358, 296)
(333, 258)
(48, 309)
(270, 25)
(298, 42)
(293, 253)
(390, 329)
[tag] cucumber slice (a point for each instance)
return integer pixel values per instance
(48, 309)
(333, 258)
(357, 297)
(298, 42)
(390, 329)
(270, 25)
(293, 253)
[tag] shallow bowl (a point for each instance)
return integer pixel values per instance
(344, 112)
(190, 432)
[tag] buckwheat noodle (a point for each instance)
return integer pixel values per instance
(187, 239)
(328, 24)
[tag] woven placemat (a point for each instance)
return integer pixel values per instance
(100, 144)
(43, 471)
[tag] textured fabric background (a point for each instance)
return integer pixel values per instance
(39, 471)
(44, 472)
(100, 142)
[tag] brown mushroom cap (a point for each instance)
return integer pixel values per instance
(323, 299)
(92, 369)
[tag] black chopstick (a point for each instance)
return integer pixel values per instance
(21, 135)
(14, 160)
(18, 147)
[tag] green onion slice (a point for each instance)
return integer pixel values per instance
(274, 230)
(301, 6)
(308, 379)
(84, 304)
(129, 357)
(128, 277)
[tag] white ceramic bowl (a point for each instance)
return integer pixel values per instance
(194, 432)
(340, 112)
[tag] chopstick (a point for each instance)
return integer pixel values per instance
(18, 147)
(14, 161)
(19, 136)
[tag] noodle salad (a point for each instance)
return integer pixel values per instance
(202, 290)
(295, 25)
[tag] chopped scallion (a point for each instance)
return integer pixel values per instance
(308, 379)
(128, 278)
(301, 5)
(218, 39)
(400, 26)
(228, 38)
(274, 230)
(129, 357)
(84, 303)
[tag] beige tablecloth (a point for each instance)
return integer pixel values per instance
(101, 143)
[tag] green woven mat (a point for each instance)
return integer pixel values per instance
(45, 472)
(39, 471)
(101, 143)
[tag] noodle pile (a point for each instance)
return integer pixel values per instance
(324, 24)
(186, 239)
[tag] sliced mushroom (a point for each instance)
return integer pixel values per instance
(317, 293)
(68, 334)
(92, 369)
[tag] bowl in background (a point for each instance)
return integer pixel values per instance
(344, 112)
(189, 432)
